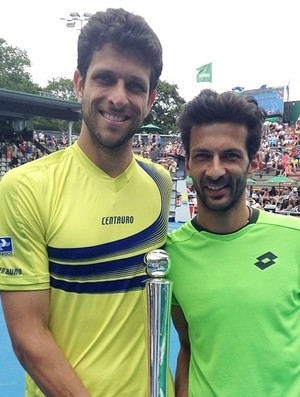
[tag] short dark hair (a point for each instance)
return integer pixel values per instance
(209, 107)
(126, 32)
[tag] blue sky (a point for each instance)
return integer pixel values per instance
(249, 43)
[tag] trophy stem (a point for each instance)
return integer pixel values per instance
(158, 293)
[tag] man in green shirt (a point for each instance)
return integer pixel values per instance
(235, 269)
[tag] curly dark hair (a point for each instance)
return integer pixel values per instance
(124, 31)
(209, 107)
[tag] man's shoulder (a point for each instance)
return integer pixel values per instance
(181, 234)
(155, 167)
(32, 168)
(273, 219)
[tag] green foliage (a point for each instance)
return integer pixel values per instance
(166, 107)
(14, 63)
(61, 88)
(14, 75)
(45, 124)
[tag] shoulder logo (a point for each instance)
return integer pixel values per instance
(6, 248)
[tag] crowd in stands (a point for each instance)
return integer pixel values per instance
(162, 145)
(17, 151)
(280, 149)
(53, 141)
(285, 200)
(13, 154)
(280, 153)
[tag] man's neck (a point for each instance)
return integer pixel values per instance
(111, 161)
(223, 222)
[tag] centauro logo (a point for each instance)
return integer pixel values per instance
(10, 272)
(117, 220)
(6, 248)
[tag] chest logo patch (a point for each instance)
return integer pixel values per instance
(6, 248)
(266, 260)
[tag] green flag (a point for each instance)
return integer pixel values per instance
(204, 73)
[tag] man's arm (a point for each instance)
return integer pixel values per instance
(27, 316)
(183, 360)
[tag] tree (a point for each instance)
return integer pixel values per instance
(61, 88)
(14, 63)
(166, 107)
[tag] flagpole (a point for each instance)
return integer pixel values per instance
(288, 91)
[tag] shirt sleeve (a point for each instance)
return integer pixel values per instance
(23, 252)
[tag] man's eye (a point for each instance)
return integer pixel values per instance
(231, 156)
(135, 86)
(201, 156)
(104, 78)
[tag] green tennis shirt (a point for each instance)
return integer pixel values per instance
(240, 295)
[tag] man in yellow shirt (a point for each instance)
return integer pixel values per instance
(74, 229)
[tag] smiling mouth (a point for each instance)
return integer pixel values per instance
(216, 188)
(114, 117)
(217, 191)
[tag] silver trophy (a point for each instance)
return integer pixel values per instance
(158, 296)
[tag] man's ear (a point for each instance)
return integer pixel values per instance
(151, 99)
(254, 165)
(187, 167)
(78, 84)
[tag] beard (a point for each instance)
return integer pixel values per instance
(237, 191)
(118, 136)
(98, 140)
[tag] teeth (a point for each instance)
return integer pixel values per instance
(113, 117)
(215, 187)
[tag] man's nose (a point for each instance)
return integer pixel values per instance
(216, 168)
(118, 95)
